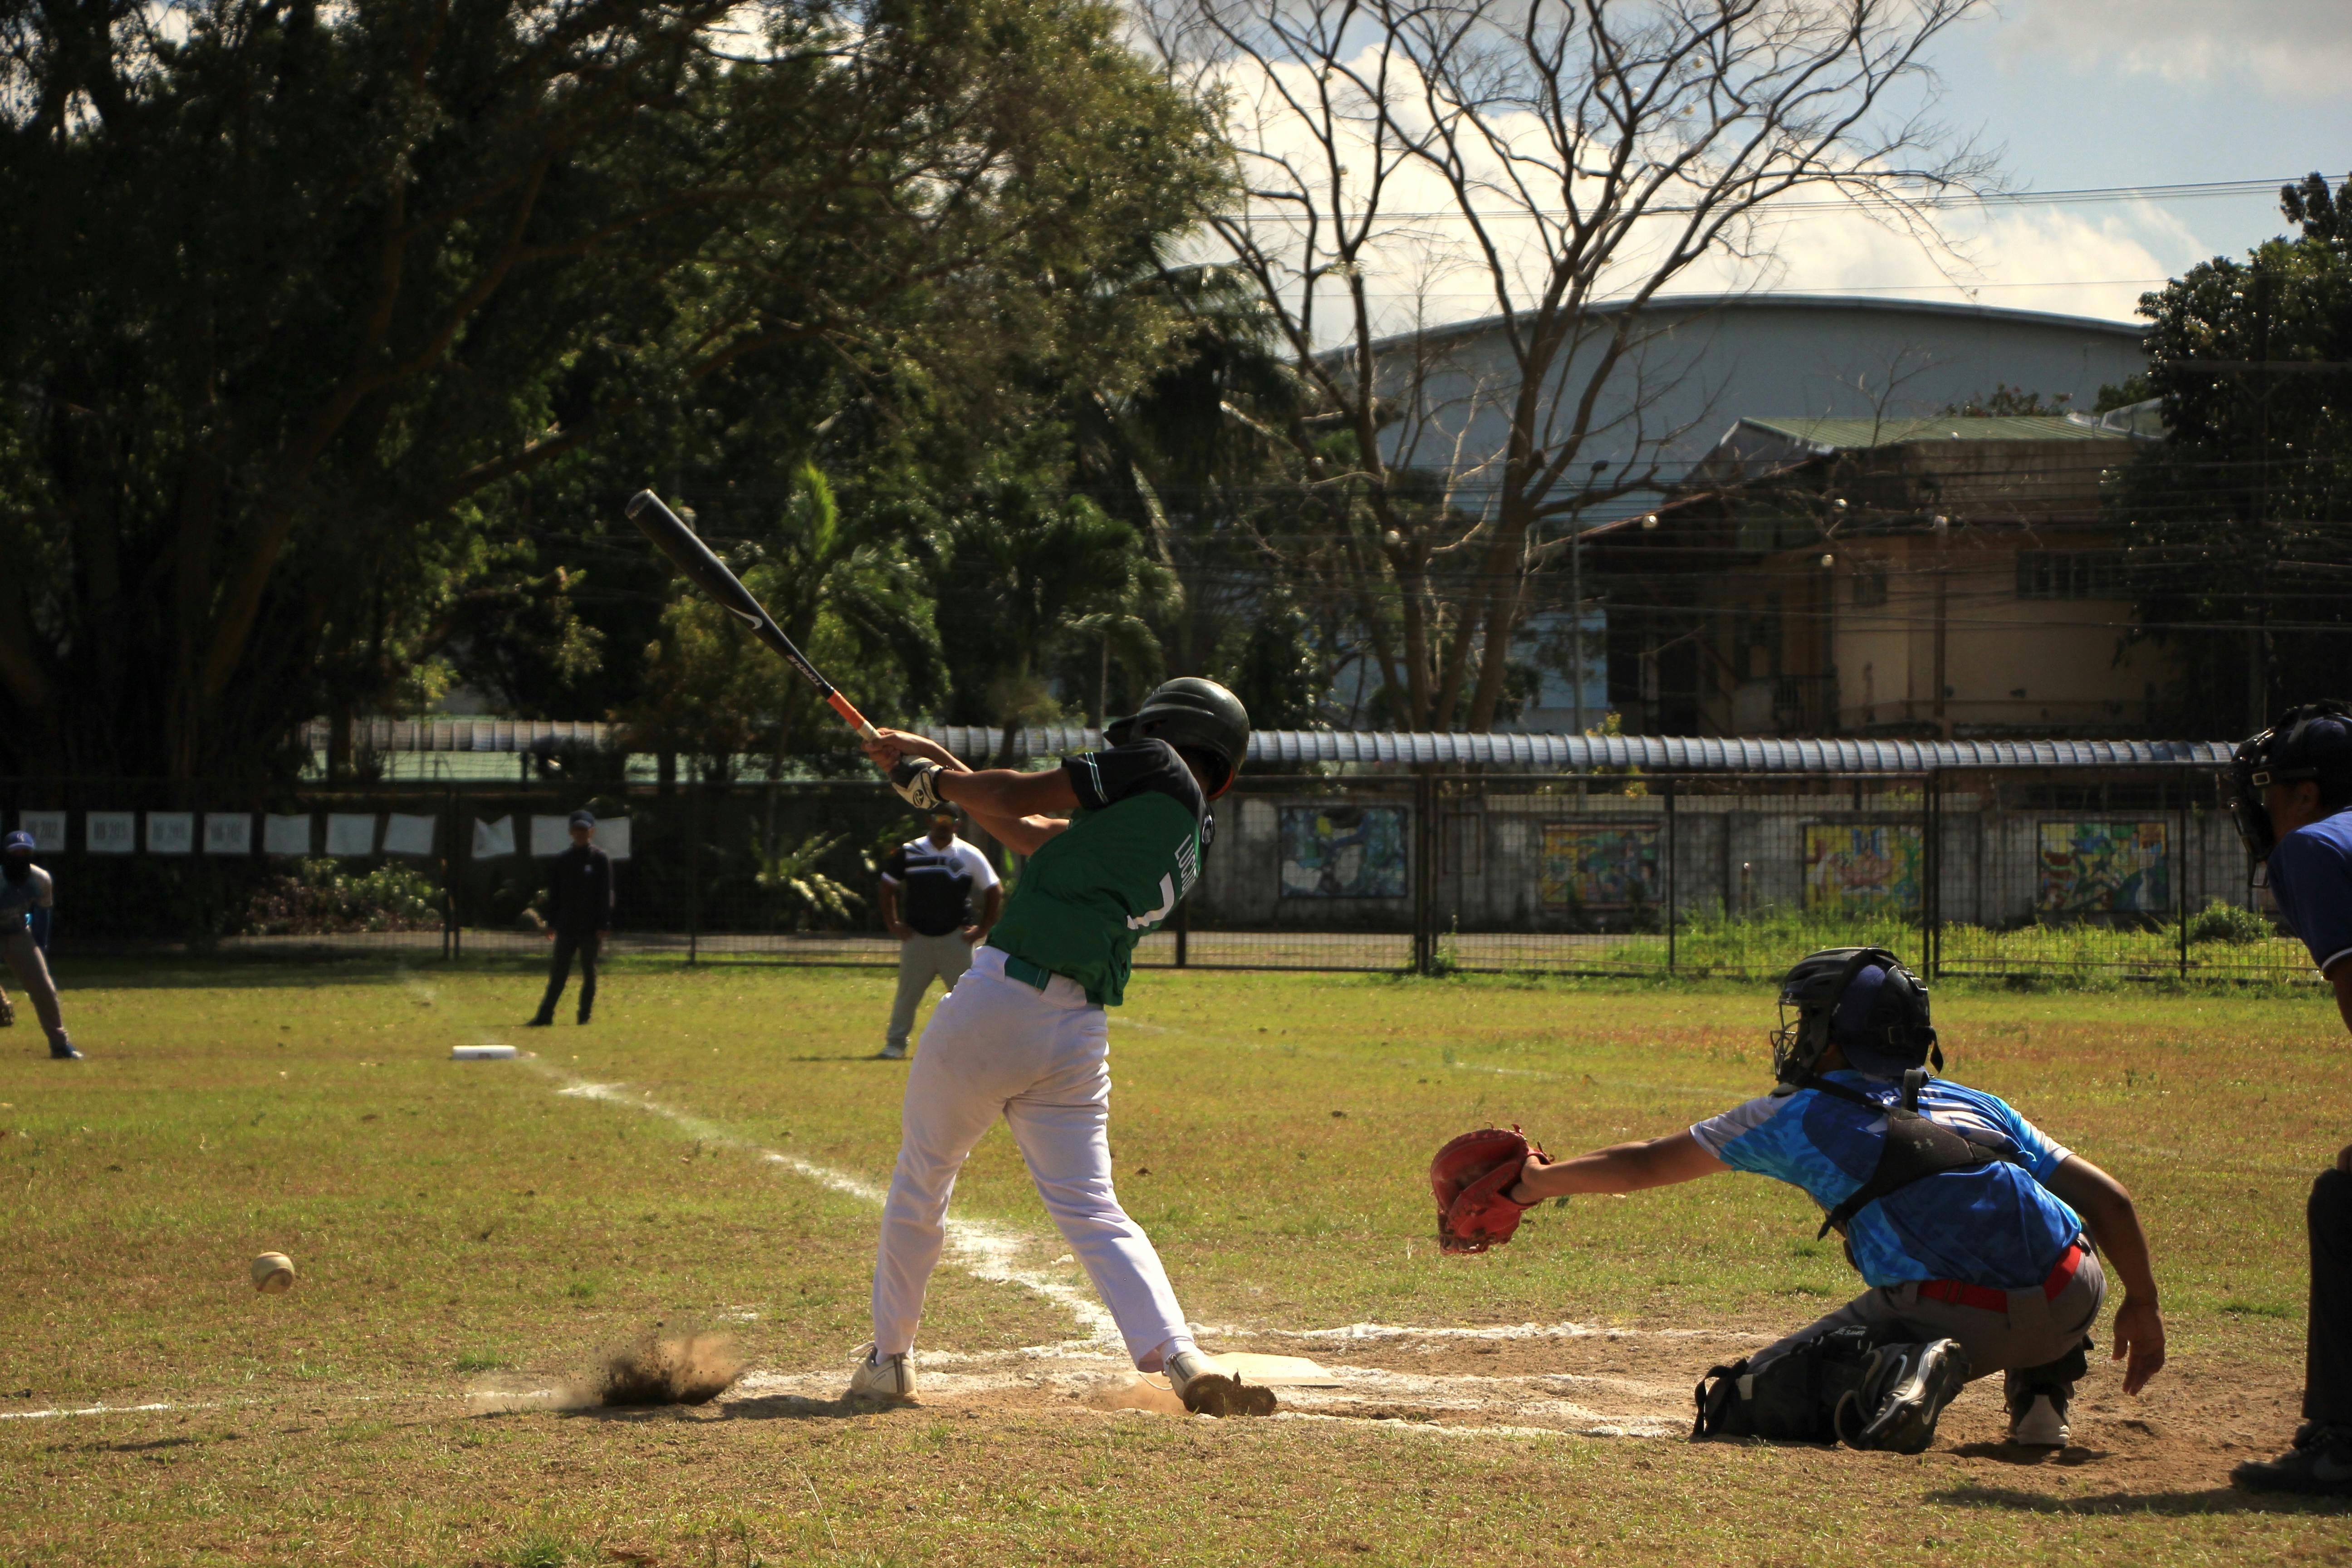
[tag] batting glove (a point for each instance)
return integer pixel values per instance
(918, 782)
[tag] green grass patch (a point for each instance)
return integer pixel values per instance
(1272, 1130)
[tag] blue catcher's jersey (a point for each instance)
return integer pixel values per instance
(1996, 1224)
(2311, 878)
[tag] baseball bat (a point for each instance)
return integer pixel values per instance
(670, 535)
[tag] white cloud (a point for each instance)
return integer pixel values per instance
(2299, 46)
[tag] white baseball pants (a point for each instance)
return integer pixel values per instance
(995, 1048)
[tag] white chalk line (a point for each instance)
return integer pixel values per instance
(981, 1248)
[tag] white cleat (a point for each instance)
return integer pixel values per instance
(888, 1378)
(1205, 1391)
(2040, 1425)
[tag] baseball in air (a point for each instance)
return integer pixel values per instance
(273, 1273)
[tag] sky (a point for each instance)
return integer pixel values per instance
(2061, 94)
(2101, 93)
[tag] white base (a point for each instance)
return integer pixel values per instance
(482, 1053)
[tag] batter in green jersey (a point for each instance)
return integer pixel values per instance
(1132, 850)
(1115, 840)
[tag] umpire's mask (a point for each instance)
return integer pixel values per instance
(2312, 742)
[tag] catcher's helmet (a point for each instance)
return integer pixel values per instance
(2312, 742)
(1863, 1000)
(1192, 715)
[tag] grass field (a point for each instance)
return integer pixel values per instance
(707, 1150)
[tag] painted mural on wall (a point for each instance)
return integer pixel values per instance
(1871, 867)
(1343, 852)
(1598, 867)
(2104, 867)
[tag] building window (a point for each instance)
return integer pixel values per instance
(2070, 574)
(1870, 587)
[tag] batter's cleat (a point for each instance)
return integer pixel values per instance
(1205, 1391)
(1903, 1392)
(2038, 1420)
(888, 1378)
(62, 1049)
(2319, 1464)
(891, 1054)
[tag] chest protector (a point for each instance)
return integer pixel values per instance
(1913, 1149)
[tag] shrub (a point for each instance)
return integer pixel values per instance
(319, 898)
(2217, 921)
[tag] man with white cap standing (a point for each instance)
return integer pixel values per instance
(26, 888)
(579, 913)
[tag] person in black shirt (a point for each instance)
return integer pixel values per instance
(940, 896)
(579, 913)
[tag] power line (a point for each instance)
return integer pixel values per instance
(2085, 195)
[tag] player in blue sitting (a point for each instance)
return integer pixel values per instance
(2293, 781)
(1979, 1239)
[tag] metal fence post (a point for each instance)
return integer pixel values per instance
(2181, 872)
(1673, 861)
(699, 788)
(449, 877)
(1424, 806)
(1931, 901)
(1183, 934)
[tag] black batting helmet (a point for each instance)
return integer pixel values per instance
(1192, 715)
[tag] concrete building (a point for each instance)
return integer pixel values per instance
(1945, 578)
(1698, 366)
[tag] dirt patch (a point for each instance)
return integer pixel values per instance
(671, 1366)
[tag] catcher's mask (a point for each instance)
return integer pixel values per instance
(1863, 1000)
(2312, 742)
(1192, 715)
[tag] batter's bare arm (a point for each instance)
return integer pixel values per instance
(1006, 806)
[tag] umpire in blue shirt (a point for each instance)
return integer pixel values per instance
(579, 913)
(2292, 782)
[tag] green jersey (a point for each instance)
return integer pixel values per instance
(1131, 852)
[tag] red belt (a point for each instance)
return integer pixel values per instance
(1992, 1300)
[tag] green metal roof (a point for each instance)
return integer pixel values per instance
(1861, 435)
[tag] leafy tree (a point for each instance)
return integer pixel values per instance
(2239, 524)
(309, 300)
(849, 596)
(1026, 576)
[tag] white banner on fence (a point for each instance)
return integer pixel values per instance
(550, 836)
(286, 834)
(612, 835)
(350, 834)
(493, 839)
(47, 829)
(229, 833)
(171, 832)
(111, 832)
(404, 834)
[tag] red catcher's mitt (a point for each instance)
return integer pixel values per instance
(1471, 1178)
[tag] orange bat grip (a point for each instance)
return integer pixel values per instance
(850, 715)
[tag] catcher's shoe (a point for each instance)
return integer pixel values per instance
(2319, 1464)
(1903, 1390)
(7, 1013)
(2037, 1419)
(889, 1378)
(1205, 1391)
(61, 1050)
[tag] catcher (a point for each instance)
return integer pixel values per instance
(1980, 1238)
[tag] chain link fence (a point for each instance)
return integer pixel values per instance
(2112, 872)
